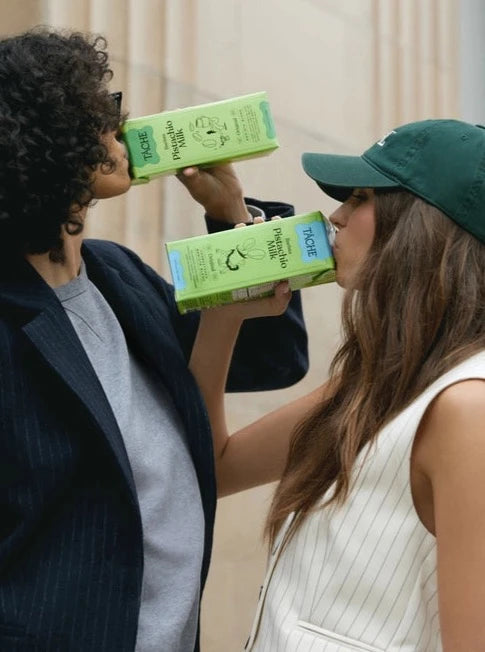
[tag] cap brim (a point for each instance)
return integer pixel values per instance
(338, 175)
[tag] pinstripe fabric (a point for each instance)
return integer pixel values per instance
(71, 541)
(361, 576)
(71, 559)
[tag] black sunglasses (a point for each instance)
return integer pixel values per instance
(117, 97)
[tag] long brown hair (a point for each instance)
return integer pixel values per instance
(418, 311)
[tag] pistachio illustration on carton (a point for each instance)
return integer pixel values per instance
(209, 132)
(233, 259)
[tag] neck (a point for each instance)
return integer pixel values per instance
(57, 274)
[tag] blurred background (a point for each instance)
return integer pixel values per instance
(339, 74)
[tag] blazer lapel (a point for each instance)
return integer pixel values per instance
(57, 342)
(50, 331)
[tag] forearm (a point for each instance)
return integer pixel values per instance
(209, 363)
(257, 453)
(211, 355)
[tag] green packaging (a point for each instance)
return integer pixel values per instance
(204, 135)
(246, 263)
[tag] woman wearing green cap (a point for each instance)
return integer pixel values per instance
(377, 526)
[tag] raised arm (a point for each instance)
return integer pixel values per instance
(257, 453)
(278, 362)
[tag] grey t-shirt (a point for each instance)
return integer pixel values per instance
(165, 479)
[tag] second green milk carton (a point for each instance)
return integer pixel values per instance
(204, 135)
(247, 263)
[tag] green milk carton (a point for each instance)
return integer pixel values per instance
(246, 263)
(204, 135)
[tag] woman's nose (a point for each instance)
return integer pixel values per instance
(337, 218)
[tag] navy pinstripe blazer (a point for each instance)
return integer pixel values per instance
(71, 558)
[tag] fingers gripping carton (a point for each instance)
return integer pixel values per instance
(204, 135)
(247, 263)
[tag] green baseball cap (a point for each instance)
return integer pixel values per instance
(441, 161)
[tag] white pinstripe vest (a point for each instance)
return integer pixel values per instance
(361, 577)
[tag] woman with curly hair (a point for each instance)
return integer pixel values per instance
(107, 489)
(377, 526)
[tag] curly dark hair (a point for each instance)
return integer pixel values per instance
(54, 105)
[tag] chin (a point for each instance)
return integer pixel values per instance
(114, 189)
(126, 186)
(340, 279)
